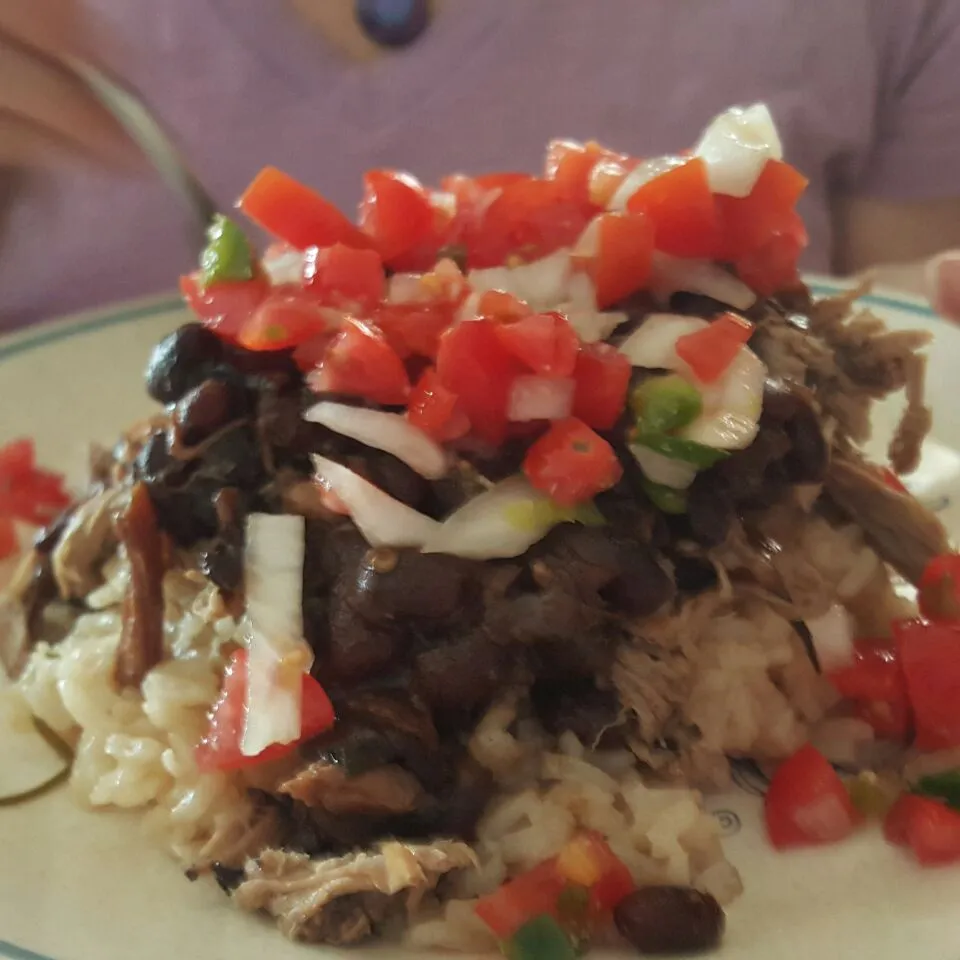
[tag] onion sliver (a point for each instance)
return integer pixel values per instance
(666, 470)
(540, 398)
(832, 635)
(541, 283)
(486, 527)
(671, 275)
(34, 758)
(284, 267)
(278, 655)
(736, 147)
(390, 432)
(383, 521)
(731, 406)
(653, 344)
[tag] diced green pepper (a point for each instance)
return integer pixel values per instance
(943, 786)
(664, 498)
(676, 448)
(540, 939)
(663, 404)
(227, 255)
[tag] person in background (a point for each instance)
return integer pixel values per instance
(866, 95)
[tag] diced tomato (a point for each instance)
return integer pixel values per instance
(874, 681)
(309, 354)
(395, 212)
(606, 177)
(9, 543)
(545, 342)
(807, 803)
(939, 588)
(474, 364)
(18, 460)
(588, 861)
(219, 749)
(435, 409)
(683, 210)
(414, 329)
(295, 213)
(502, 306)
(570, 463)
(224, 307)
(928, 827)
(930, 659)
(359, 362)
(748, 223)
(287, 318)
(773, 267)
(710, 351)
(602, 375)
(623, 258)
(345, 277)
(569, 164)
(530, 895)
(529, 219)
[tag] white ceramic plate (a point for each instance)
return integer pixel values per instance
(76, 885)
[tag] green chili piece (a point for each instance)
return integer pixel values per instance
(664, 404)
(664, 498)
(676, 448)
(540, 939)
(943, 786)
(227, 255)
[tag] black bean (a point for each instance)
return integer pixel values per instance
(709, 510)
(693, 575)
(807, 460)
(181, 361)
(456, 676)
(203, 410)
(662, 920)
(234, 460)
(641, 586)
(222, 562)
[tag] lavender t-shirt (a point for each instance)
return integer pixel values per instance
(866, 94)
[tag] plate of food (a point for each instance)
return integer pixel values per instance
(536, 565)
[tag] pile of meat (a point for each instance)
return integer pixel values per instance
(413, 648)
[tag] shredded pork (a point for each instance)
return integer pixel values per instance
(342, 900)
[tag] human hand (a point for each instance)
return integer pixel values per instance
(46, 112)
(943, 284)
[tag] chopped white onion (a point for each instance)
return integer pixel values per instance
(653, 344)
(832, 635)
(671, 275)
(581, 293)
(736, 147)
(284, 266)
(592, 326)
(277, 655)
(391, 432)
(731, 406)
(642, 174)
(486, 528)
(541, 283)
(540, 398)
(406, 288)
(383, 521)
(661, 469)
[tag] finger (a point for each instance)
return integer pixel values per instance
(24, 144)
(48, 96)
(943, 281)
(54, 27)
